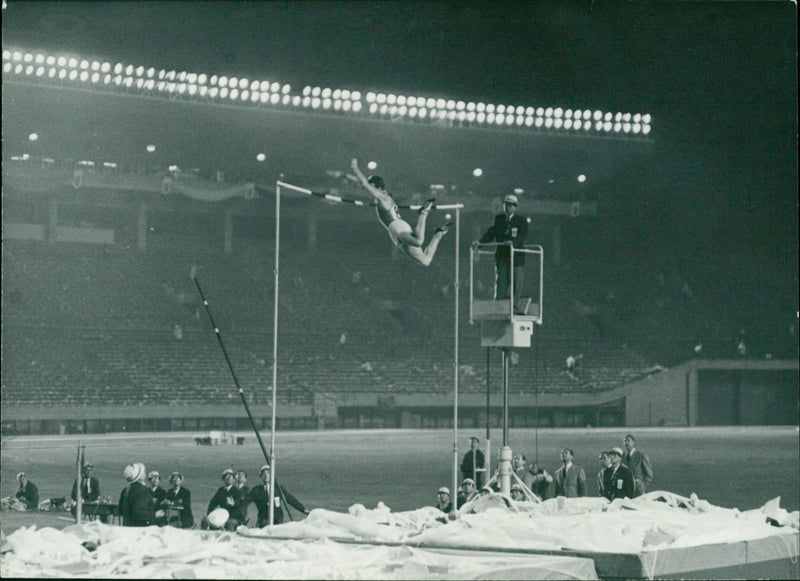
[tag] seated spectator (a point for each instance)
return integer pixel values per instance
(179, 496)
(467, 492)
(443, 501)
(227, 497)
(159, 497)
(136, 501)
(89, 489)
(241, 482)
(27, 493)
(260, 496)
(517, 493)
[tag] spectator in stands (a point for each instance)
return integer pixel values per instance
(260, 496)
(602, 476)
(180, 496)
(570, 479)
(230, 498)
(443, 501)
(90, 488)
(473, 464)
(27, 493)
(542, 480)
(639, 464)
(619, 483)
(136, 501)
(408, 240)
(159, 497)
(508, 228)
(467, 492)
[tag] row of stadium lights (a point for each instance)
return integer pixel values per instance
(63, 68)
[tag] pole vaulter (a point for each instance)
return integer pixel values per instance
(409, 240)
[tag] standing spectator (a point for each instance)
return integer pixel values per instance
(509, 228)
(472, 466)
(542, 480)
(90, 489)
(619, 483)
(230, 498)
(639, 464)
(443, 501)
(260, 496)
(520, 466)
(159, 497)
(467, 492)
(28, 493)
(602, 476)
(570, 479)
(179, 496)
(136, 501)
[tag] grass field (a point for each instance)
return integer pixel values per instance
(739, 467)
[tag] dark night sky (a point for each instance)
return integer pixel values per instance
(719, 78)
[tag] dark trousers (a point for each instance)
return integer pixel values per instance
(503, 280)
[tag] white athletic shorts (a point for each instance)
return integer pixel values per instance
(396, 228)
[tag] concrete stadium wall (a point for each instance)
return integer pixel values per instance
(711, 392)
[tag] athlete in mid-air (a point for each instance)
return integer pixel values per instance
(408, 240)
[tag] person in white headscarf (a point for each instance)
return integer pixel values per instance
(136, 501)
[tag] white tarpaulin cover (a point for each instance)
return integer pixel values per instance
(420, 544)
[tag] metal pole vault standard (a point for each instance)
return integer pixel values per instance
(335, 198)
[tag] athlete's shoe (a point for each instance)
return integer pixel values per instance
(426, 207)
(444, 228)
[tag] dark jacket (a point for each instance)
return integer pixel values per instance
(237, 510)
(29, 495)
(502, 230)
(260, 496)
(136, 506)
(619, 483)
(90, 491)
(182, 498)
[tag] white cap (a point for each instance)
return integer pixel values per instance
(511, 199)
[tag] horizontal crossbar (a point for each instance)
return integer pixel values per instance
(337, 198)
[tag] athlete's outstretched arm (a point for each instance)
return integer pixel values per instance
(375, 192)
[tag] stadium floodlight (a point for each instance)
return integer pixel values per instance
(598, 115)
(384, 109)
(645, 129)
(391, 99)
(370, 97)
(233, 82)
(520, 120)
(347, 105)
(234, 94)
(607, 125)
(626, 127)
(637, 117)
(490, 108)
(244, 95)
(558, 122)
(316, 102)
(608, 116)
(441, 103)
(480, 117)
(72, 62)
(461, 105)
(636, 127)
(470, 116)
(40, 71)
(481, 107)
(213, 92)
(326, 103)
(422, 112)
(558, 112)
(577, 124)
(275, 98)
(73, 74)
(470, 106)
(223, 92)
(306, 102)
(296, 100)
(568, 123)
(326, 93)
(617, 127)
(548, 112)
(373, 108)
(548, 122)
(501, 108)
(356, 96)
(346, 94)
(356, 106)
(430, 103)
(646, 119)
(528, 121)
(626, 117)
(51, 73)
(243, 84)
(381, 98)
(275, 87)
(202, 79)
(539, 122)
(222, 81)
